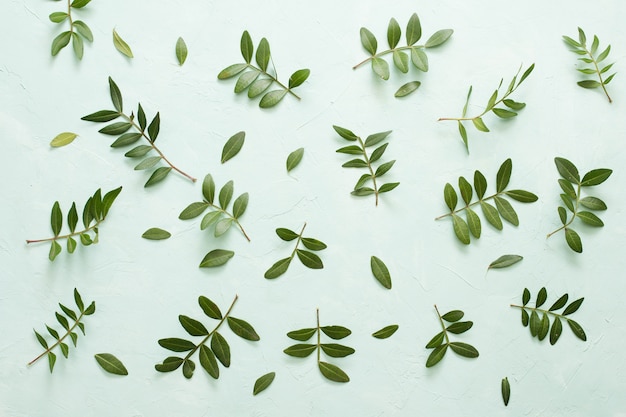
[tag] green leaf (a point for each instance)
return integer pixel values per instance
(505, 261)
(460, 327)
(101, 116)
(413, 30)
(263, 54)
(154, 233)
(240, 205)
(385, 332)
(479, 124)
(115, 129)
(79, 4)
(192, 326)
(210, 218)
(58, 17)
(480, 184)
(436, 355)
(336, 332)
(541, 297)
(272, 98)
(577, 329)
(333, 372)
(79, 301)
(220, 347)
(568, 202)
(491, 214)
(401, 61)
(571, 42)
(56, 218)
(302, 335)
(226, 193)
(556, 331)
(279, 268)
(363, 191)
(233, 146)
(298, 78)
(245, 80)
(77, 45)
(116, 96)
(60, 42)
(376, 138)
(111, 364)
(300, 350)
(506, 391)
(313, 244)
(596, 177)
(568, 188)
(526, 73)
(604, 54)
(231, 71)
(545, 327)
(121, 45)
(126, 139)
(217, 257)
(63, 139)
(345, 133)
(188, 367)
(436, 341)
(309, 259)
(388, 187)
(355, 163)
(450, 197)
(350, 150)
(153, 129)
(381, 68)
(419, 59)
(393, 33)
(589, 84)
(461, 229)
(525, 296)
(535, 323)
(176, 345)
(242, 329)
(89, 311)
(466, 190)
(52, 332)
(222, 226)
(138, 151)
(512, 104)
(41, 340)
(506, 211)
(246, 46)
(573, 240)
(590, 218)
(84, 30)
(439, 38)
(522, 196)
(336, 350)
(503, 113)
(593, 203)
(208, 188)
(209, 307)
(52, 358)
(62, 321)
(407, 89)
(71, 245)
(169, 364)
(573, 307)
(193, 210)
(294, 158)
(380, 271)
(208, 362)
(464, 349)
(148, 163)
(263, 382)
(492, 100)
(473, 222)
(368, 40)
(181, 51)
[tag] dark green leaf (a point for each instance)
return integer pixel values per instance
(473, 222)
(313, 244)
(401, 61)
(176, 345)
(505, 261)
(573, 240)
(504, 175)
(52, 332)
(216, 257)
(380, 271)
(560, 303)
(209, 307)
(243, 329)
(535, 323)
(272, 98)
(355, 163)
(466, 190)
(154, 127)
(56, 218)
(263, 382)
(438, 38)
(413, 30)
(193, 326)
(111, 364)
(419, 59)
(65, 349)
(169, 364)
(220, 347)
(336, 350)
(525, 318)
(449, 196)
(545, 327)
(556, 331)
(437, 340)
(226, 193)
(286, 234)
(590, 218)
(542, 296)
(263, 54)
(567, 188)
(393, 33)
(480, 184)
(464, 349)
(62, 321)
(301, 335)
(79, 4)
(378, 152)
(154, 233)
(102, 116)
(526, 73)
(294, 158)
(461, 229)
(589, 84)
(246, 46)
(506, 211)
(158, 175)
(208, 188)
(300, 350)
(52, 358)
(593, 203)
(407, 88)
(506, 391)
(388, 187)
(577, 329)
(188, 367)
(385, 332)
(460, 327)
(463, 133)
(70, 313)
(562, 215)
(336, 332)
(193, 210)
(309, 259)
(376, 138)
(350, 150)
(596, 177)
(368, 40)
(41, 340)
(573, 307)
(333, 372)
(345, 133)
(126, 139)
(453, 316)
(116, 95)
(525, 297)
(363, 191)
(436, 355)
(298, 77)
(90, 310)
(279, 268)
(208, 362)
(491, 214)
(568, 202)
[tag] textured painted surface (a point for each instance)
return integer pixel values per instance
(141, 286)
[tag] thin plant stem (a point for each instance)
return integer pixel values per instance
(319, 336)
(595, 64)
(576, 207)
(378, 55)
(58, 342)
(443, 326)
(369, 166)
(468, 206)
(541, 310)
(90, 228)
(274, 79)
(232, 217)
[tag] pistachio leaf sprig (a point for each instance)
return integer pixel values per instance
(580, 48)
(78, 29)
(69, 320)
(366, 160)
(538, 319)
(212, 348)
(139, 128)
(308, 259)
(575, 203)
(218, 213)
(334, 350)
(495, 100)
(441, 341)
(258, 79)
(96, 209)
(494, 215)
(401, 54)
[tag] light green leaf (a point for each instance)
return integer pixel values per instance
(480, 184)
(450, 196)
(298, 77)
(148, 163)
(263, 54)
(77, 45)
(226, 193)
(381, 68)
(84, 30)
(210, 218)
(294, 158)
(413, 30)
(479, 124)
(181, 51)
(247, 46)
(233, 146)
(222, 226)
(259, 86)
(589, 84)
(473, 222)
(376, 138)
(401, 61)
(272, 98)
(240, 205)
(593, 203)
(121, 45)
(216, 257)
(368, 40)
(111, 364)
(231, 71)
(193, 210)
(419, 59)
(466, 190)
(438, 38)
(505, 261)
(380, 271)
(245, 80)
(393, 33)
(158, 175)
(154, 233)
(58, 17)
(503, 113)
(60, 42)
(407, 88)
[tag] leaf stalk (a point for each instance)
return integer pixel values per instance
(443, 326)
(90, 228)
(369, 166)
(469, 205)
(59, 341)
(232, 218)
(389, 51)
(576, 207)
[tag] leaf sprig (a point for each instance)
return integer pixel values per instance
(580, 48)
(258, 79)
(69, 320)
(367, 161)
(308, 259)
(78, 29)
(538, 319)
(574, 202)
(218, 214)
(212, 348)
(495, 100)
(334, 350)
(96, 209)
(494, 215)
(140, 129)
(401, 53)
(441, 341)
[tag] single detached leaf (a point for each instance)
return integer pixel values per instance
(63, 139)
(436, 355)
(233, 146)
(111, 364)
(263, 382)
(155, 233)
(121, 45)
(407, 88)
(294, 158)
(368, 40)
(333, 372)
(505, 261)
(385, 332)
(380, 271)
(216, 257)
(242, 329)
(181, 51)
(438, 38)
(506, 391)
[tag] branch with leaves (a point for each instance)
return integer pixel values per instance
(334, 350)
(441, 341)
(494, 215)
(258, 79)
(212, 348)
(580, 48)
(70, 330)
(96, 209)
(401, 54)
(141, 130)
(495, 100)
(574, 202)
(308, 259)
(540, 326)
(367, 161)
(78, 29)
